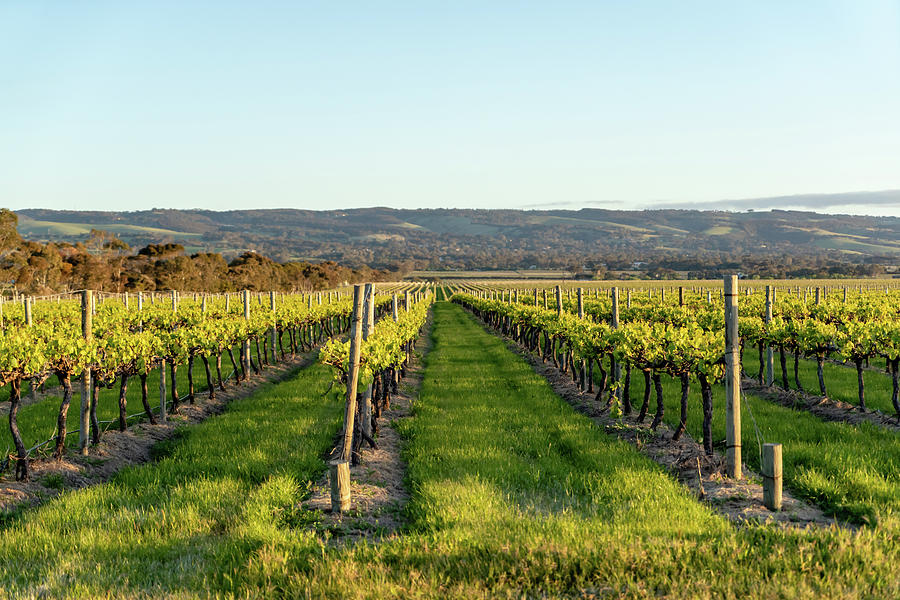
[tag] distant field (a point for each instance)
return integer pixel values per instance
(33, 228)
(523, 274)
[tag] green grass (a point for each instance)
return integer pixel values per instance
(513, 494)
(516, 495)
(192, 523)
(58, 228)
(852, 471)
(840, 380)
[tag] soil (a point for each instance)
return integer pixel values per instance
(739, 501)
(378, 493)
(119, 449)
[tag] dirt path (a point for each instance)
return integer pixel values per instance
(119, 449)
(378, 493)
(739, 501)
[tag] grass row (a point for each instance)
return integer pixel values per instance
(193, 523)
(852, 471)
(516, 495)
(840, 380)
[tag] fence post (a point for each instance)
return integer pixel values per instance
(245, 346)
(365, 412)
(274, 334)
(580, 303)
(732, 381)
(340, 468)
(87, 303)
(770, 353)
(614, 323)
(772, 476)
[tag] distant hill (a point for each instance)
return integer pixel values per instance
(474, 239)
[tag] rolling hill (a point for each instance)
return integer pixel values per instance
(466, 239)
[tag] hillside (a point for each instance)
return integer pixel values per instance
(477, 239)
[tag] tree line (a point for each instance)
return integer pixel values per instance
(106, 263)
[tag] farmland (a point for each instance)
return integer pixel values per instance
(514, 485)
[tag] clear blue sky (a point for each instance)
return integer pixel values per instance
(131, 105)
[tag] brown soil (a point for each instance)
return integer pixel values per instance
(739, 501)
(118, 449)
(376, 484)
(821, 406)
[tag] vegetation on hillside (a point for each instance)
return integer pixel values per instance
(106, 262)
(648, 244)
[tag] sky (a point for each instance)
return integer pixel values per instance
(425, 104)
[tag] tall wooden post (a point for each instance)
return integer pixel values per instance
(770, 354)
(732, 381)
(274, 332)
(246, 344)
(29, 302)
(365, 412)
(88, 334)
(394, 313)
(559, 302)
(680, 295)
(580, 303)
(356, 332)
(614, 323)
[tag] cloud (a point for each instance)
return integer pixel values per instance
(816, 202)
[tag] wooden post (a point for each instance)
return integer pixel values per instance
(246, 344)
(628, 298)
(394, 312)
(339, 473)
(559, 303)
(614, 323)
(732, 381)
(545, 298)
(406, 301)
(580, 303)
(772, 476)
(29, 302)
(365, 412)
(353, 375)
(770, 354)
(174, 301)
(680, 295)
(87, 302)
(818, 297)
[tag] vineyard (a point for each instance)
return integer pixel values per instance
(556, 439)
